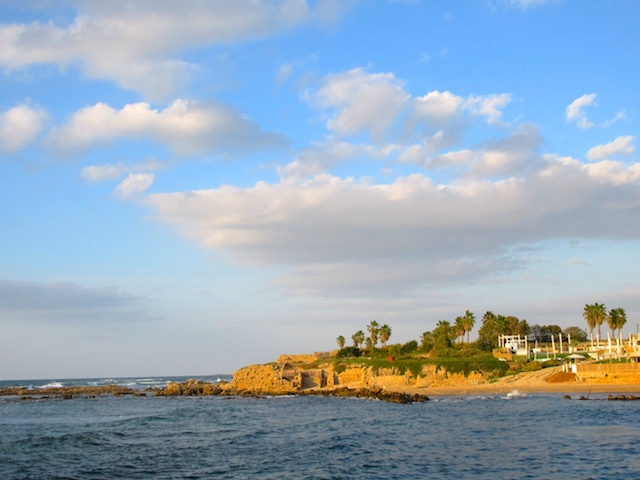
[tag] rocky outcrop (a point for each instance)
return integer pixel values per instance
(190, 388)
(624, 398)
(297, 373)
(270, 379)
(68, 392)
(370, 393)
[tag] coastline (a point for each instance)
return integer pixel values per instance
(400, 389)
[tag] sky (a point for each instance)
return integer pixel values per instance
(188, 187)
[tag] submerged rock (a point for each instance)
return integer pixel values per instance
(623, 398)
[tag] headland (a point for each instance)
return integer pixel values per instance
(325, 374)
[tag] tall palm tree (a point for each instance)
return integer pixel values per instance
(459, 328)
(374, 330)
(340, 341)
(385, 334)
(599, 315)
(469, 322)
(616, 320)
(612, 321)
(358, 338)
(595, 315)
(587, 313)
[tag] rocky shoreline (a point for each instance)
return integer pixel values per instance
(319, 375)
(200, 388)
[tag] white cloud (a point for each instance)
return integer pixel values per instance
(489, 106)
(622, 115)
(620, 146)
(102, 173)
(135, 183)
(510, 155)
(330, 224)
(186, 127)
(574, 111)
(378, 105)
(615, 172)
(321, 156)
(364, 102)
(134, 42)
(457, 158)
(19, 126)
(505, 157)
(438, 108)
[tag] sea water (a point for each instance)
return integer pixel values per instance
(485, 437)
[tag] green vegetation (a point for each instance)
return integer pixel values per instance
(616, 319)
(596, 314)
(455, 362)
(446, 348)
(578, 335)
(358, 338)
(495, 325)
(543, 333)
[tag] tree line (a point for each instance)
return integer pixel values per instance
(446, 333)
(377, 333)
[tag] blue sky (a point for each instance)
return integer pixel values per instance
(189, 187)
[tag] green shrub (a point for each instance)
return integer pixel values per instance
(348, 352)
(409, 347)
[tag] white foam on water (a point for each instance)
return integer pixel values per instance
(53, 384)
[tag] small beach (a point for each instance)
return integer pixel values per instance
(529, 382)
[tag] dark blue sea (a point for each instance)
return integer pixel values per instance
(496, 437)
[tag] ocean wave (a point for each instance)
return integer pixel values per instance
(53, 384)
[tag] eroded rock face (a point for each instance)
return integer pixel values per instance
(293, 374)
(267, 379)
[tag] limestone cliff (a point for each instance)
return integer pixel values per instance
(296, 373)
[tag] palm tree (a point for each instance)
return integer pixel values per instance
(469, 322)
(442, 335)
(358, 338)
(426, 341)
(459, 328)
(595, 315)
(612, 321)
(374, 330)
(600, 314)
(616, 320)
(587, 313)
(385, 334)
(340, 341)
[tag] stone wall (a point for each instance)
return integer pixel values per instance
(609, 372)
